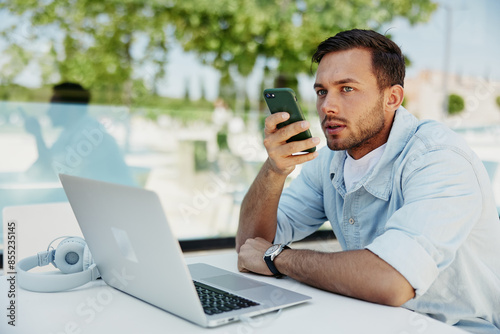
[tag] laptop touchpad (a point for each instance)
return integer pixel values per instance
(234, 282)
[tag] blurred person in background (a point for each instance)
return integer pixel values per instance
(84, 147)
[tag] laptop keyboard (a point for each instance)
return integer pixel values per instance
(216, 301)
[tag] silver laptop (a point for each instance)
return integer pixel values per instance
(135, 251)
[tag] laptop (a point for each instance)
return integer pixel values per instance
(135, 251)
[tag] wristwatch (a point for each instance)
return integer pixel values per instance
(271, 254)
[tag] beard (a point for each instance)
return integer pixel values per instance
(363, 129)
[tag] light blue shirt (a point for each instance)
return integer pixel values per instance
(426, 208)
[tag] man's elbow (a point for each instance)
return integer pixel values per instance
(239, 241)
(237, 246)
(397, 294)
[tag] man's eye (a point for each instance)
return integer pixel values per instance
(347, 89)
(321, 92)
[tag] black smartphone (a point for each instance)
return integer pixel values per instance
(284, 99)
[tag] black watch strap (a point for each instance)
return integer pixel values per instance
(272, 267)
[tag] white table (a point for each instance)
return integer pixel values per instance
(96, 308)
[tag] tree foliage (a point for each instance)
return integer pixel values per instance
(124, 44)
(230, 32)
(90, 42)
(456, 104)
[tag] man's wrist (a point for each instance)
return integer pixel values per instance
(271, 255)
(280, 262)
(273, 171)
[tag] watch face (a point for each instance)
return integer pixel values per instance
(272, 249)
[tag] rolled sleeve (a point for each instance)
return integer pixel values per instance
(284, 232)
(301, 209)
(442, 204)
(300, 213)
(408, 257)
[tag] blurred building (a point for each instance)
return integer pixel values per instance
(424, 98)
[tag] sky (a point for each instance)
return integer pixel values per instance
(474, 51)
(475, 38)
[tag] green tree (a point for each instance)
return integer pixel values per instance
(498, 101)
(456, 104)
(115, 43)
(228, 32)
(88, 41)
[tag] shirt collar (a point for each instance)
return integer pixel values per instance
(379, 181)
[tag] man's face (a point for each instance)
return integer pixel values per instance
(350, 104)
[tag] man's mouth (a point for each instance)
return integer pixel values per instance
(333, 129)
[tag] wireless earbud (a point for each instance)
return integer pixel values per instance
(72, 257)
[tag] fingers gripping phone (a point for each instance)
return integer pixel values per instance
(284, 99)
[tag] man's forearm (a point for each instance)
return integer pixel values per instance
(360, 274)
(258, 214)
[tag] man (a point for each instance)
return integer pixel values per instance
(84, 147)
(409, 202)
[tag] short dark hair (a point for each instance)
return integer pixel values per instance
(388, 62)
(69, 92)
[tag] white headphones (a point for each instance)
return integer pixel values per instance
(72, 258)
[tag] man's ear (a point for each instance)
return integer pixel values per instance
(394, 97)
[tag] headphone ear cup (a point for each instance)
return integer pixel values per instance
(88, 260)
(69, 255)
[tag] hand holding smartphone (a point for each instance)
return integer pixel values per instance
(284, 99)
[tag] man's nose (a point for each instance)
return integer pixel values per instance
(329, 104)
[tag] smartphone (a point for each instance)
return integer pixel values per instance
(284, 99)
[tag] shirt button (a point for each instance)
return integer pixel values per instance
(351, 221)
